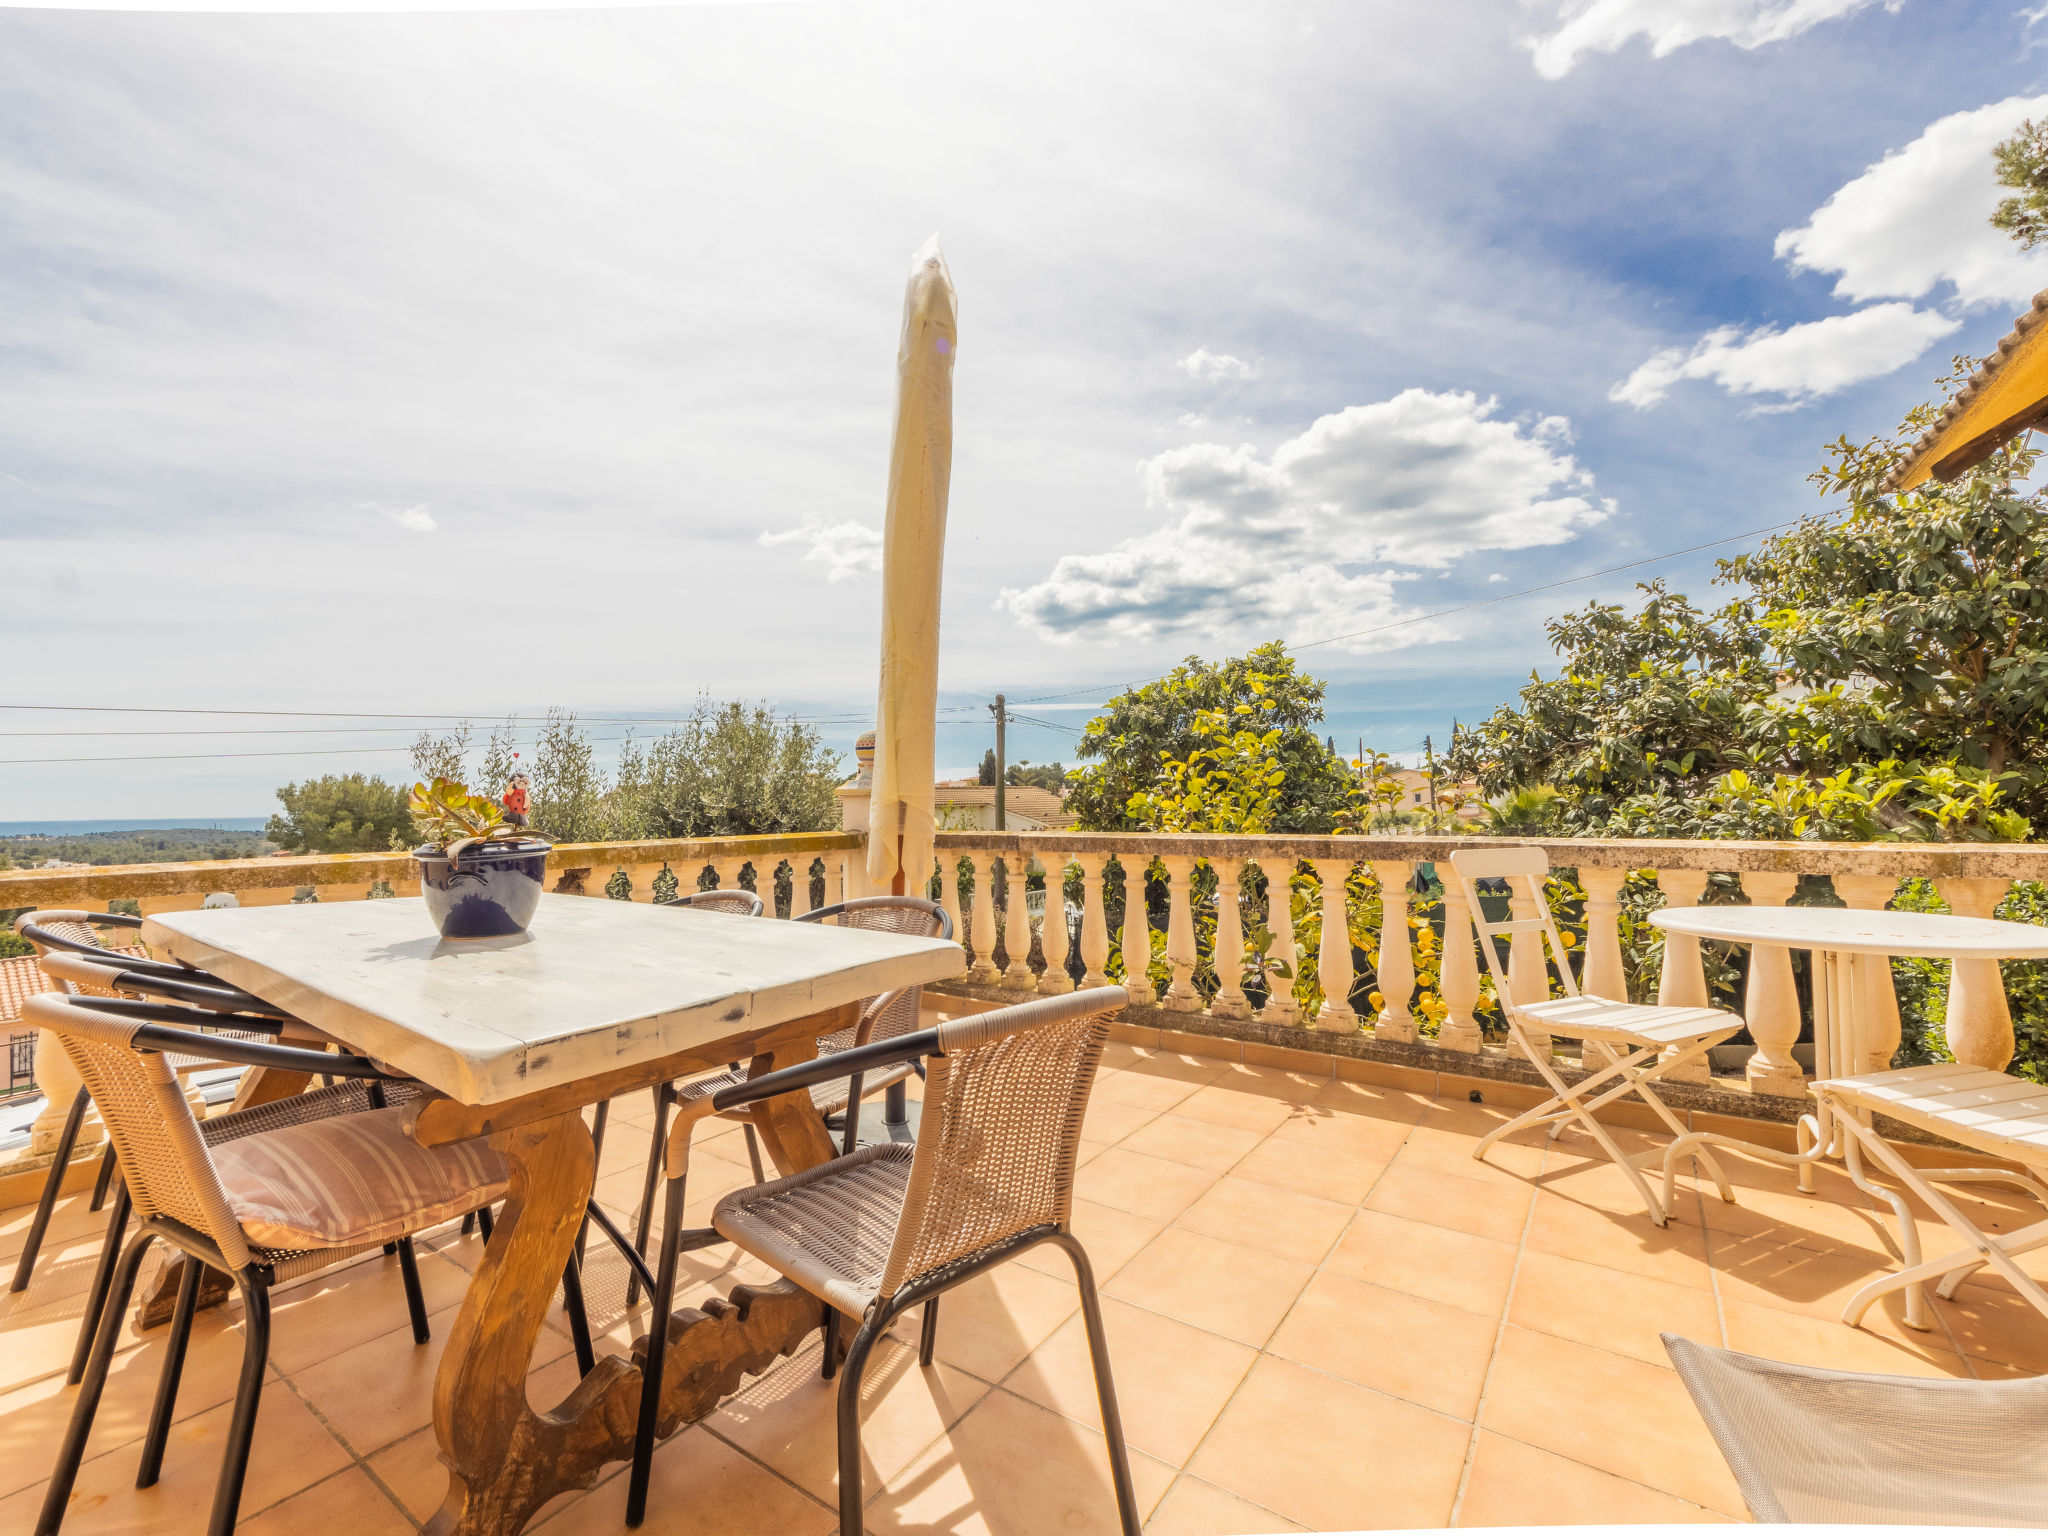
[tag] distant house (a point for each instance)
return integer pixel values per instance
(1415, 793)
(967, 805)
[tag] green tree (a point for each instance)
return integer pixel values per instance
(1147, 727)
(987, 773)
(568, 788)
(730, 770)
(1051, 777)
(2022, 162)
(1906, 629)
(341, 813)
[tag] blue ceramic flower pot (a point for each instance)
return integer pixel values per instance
(489, 891)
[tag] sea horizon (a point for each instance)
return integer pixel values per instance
(139, 824)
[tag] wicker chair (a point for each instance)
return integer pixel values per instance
(1810, 1446)
(71, 954)
(285, 1198)
(886, 1017)
(876, 1232)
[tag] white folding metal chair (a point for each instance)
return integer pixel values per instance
(1646, 1041)
(1986, 1111)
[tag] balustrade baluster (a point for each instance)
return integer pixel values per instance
(949, 892)
(1094, 920)
(1181, 996)
(1979, 1019)
(981, 932)
(1333, 957)
(1770, 1005)
(1458, 970)
(800, 886)
(1682, 983)
(1280, 1006)
(1017, 920)
(1877, 996)
(1052, 928)
(1528, 980)
(1603, 974)
(1230, 1001)
(1137, 931)
(1396, 965)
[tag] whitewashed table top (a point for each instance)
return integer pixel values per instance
(594, 985)
(1930, 935)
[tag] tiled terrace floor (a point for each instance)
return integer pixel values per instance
(1323, 1313)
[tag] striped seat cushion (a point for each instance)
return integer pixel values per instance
(350, 1180)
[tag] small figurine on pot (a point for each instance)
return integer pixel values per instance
(481, 874)
(517, 800)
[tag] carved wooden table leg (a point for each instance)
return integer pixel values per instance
(504, 1460)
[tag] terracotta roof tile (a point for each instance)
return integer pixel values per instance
(1985, 372)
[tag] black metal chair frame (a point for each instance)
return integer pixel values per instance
(116, 1284)
(926, 1292)
(129, 973)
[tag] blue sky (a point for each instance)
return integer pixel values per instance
(478, 362)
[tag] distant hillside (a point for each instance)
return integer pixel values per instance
(175, 845)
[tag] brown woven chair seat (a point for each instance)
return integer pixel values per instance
(828, 1228)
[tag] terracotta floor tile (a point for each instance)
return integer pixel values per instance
(1282, 1221)
(291, 1451)
(33, 1418)
(1171, 1379)
(351, 1306)
(1226, 1288)
(1180, 1066)
(1407, 1346)
(1676, 1252)
(993, 1321)
(1010, 1468)
(1370, 1101)
(1626, 1417)
(1801, 1339)
(1425, 1260)
(1144, 1186)
(1255, 1081)
(1325, 1172)
(1315, 1125)
(1222, 1103)
(1108, 1120)
(382, 1391)
(786, 1420)
(1609, 1308)
(1157, 1094)
(1815, 1281)
(700, 1485)
(1112, 1238)
(1991, 1323)
(1516, 1484)
(71, 1223)
(411, 1468)
(1452, 1152)
(1498, 1209)
(1331, 1455)
(1198, 1143)
(348, 1501)
(1806, 1221)
(1195, 1508)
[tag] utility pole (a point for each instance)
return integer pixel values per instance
(1002, 718)
(1429, 755)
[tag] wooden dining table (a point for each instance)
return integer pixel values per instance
(516, 1037)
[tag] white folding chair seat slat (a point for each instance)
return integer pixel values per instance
(1653, 1040)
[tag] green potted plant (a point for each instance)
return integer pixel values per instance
(481, 871)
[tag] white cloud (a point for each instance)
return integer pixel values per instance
(414, 519)
(1801, 362)
(1921, 216)
(846, 550)
(1214, 367)
(1274, 544)
(1606, 26)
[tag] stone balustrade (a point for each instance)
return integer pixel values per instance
(1205, 950)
